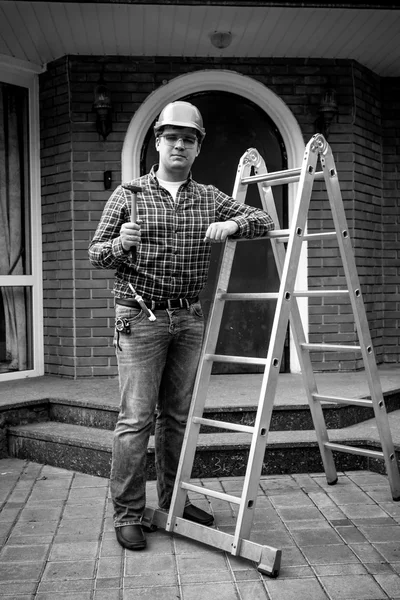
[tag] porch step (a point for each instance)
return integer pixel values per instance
(285, 417)
(88, 449)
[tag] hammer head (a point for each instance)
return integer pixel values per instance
(131, 188)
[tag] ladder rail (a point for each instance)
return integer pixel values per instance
(288, 246)
(356, 299)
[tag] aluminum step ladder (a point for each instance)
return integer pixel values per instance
(286, 246)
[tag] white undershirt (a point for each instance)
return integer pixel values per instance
(171, 186)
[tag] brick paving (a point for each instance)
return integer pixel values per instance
(57, 541)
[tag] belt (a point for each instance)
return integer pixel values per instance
(176, 303)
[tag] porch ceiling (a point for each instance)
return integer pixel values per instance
(40, 32)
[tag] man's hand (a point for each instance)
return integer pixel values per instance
(218, 232)
(130, 235)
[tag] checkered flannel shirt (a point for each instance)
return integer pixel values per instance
(172, 259)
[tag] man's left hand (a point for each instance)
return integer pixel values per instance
(218, 232)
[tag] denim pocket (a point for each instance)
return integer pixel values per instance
(196, 310)
(133, 315)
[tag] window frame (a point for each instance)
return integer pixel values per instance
(26, 75)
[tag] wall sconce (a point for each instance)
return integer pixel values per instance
(327, 109)
(102, 106)
(221, 39)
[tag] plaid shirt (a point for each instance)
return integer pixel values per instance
(172, 259)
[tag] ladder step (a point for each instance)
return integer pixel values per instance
(244, 360)
(279, 177)
(223, 425)
(207, 492)
(275, 295)
(339, 400)
(247, 296)
(354, 450)
(330, 347)
(282, 235)
(320, 293)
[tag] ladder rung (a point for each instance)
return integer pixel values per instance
(339, 400)
(247, 296)
(275, 233)
(325, 293)
(279, 177)
(330, 347)
(207, 492)
(223, 425)
(275, 295)
(321, 235)
(284, 234)
(244, 360)
(354, 450)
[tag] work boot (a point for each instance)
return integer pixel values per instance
(131, 537)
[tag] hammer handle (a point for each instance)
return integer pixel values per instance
(134, 189)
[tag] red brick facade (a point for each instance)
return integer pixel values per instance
(78, 306)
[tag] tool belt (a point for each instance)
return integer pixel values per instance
(164, 304)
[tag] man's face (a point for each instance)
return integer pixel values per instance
(177, 148)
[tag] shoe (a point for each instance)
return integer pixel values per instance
(197, 515)
(131, 537)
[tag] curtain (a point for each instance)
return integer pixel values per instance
(12, 118)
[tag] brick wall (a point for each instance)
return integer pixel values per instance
(78, 301)
(391, 219)
(57, 211)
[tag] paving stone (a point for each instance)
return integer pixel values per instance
(382, 534)
(65, 570)
(294, 589)
(153, 593)
(23, 553)
(354, 587)
(222, 591)
(390, 582)
(312, 537)
(74, 551)
(145, 563)
(107, 595)
(355, 511)
(328, 554)
(63, 596)
(65, 585)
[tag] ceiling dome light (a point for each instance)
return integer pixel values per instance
(221, 39)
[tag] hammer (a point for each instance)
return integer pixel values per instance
(134, 189)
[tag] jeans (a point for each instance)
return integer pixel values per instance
(157, 365)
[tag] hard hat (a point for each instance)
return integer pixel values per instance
(181, 114)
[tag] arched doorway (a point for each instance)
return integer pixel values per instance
(245, 87)
(234, 124)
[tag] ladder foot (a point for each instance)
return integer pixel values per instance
(270, 568)
(334, 481)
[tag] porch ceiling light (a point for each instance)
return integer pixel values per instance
(221, 39)
(103, 107)
(327, 109)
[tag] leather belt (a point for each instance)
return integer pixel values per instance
(175, 303)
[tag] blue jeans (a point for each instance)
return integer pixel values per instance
(157, 365)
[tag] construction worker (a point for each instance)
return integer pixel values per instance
(161, 263)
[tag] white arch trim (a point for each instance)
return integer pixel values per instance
(241, 85)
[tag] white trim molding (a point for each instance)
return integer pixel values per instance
(19, 73)
(241, 85)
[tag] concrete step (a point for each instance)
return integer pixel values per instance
(284, 417)
(88, 449)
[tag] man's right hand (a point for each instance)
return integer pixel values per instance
(130, 235)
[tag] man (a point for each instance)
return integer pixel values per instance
(161, 260)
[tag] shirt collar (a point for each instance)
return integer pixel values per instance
(153, 175)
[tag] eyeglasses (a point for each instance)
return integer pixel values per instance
(171, 140)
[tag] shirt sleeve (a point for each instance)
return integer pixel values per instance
(105, 249)
(252, 222)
